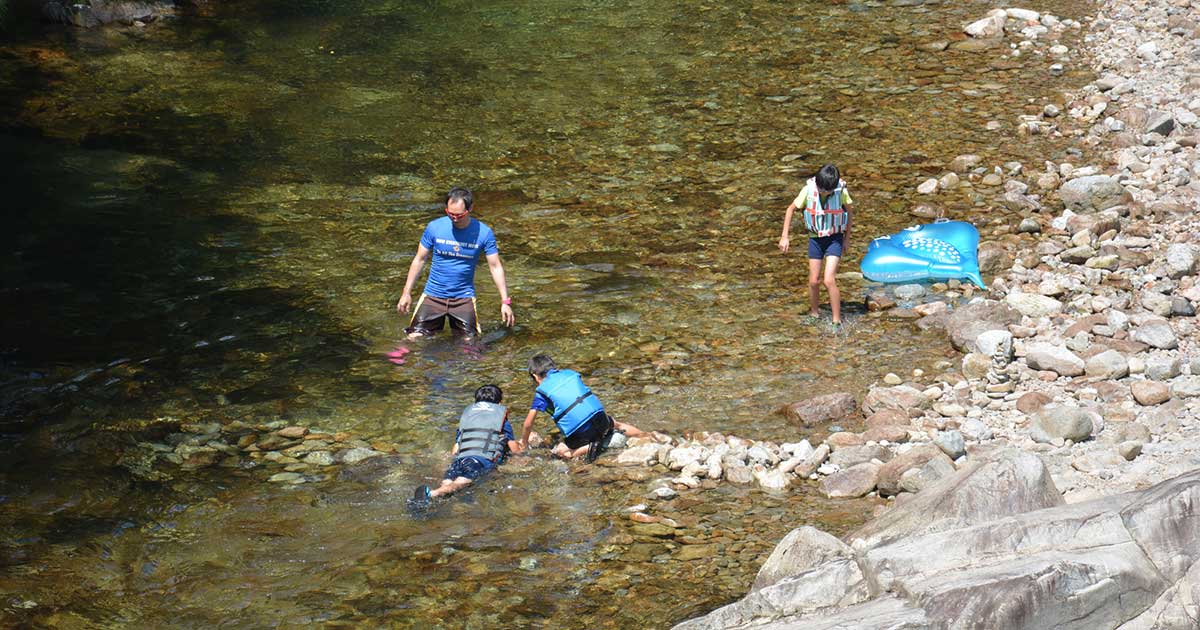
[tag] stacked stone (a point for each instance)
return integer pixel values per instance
(999, 376)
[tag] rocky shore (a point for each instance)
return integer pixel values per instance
(1079, 379)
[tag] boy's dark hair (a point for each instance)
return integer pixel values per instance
(540, 364)
(458, 192)
(489, 393)
(828, 178)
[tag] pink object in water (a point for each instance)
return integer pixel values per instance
(397, 356)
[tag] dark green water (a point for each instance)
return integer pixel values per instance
(210, 219)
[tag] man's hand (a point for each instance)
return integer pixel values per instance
(404, 304)
(784, 241)
(506, 315)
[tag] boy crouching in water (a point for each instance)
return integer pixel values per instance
(484, 439)
(577, 412)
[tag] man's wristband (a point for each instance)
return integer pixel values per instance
(506, 301)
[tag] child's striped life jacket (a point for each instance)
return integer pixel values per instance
(833, 218)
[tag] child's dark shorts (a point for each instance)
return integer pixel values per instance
(593, 430)
(820, 247)
(468, 467)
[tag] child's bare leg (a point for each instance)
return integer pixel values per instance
(562, 451)
(628, 429)
(450, 487)
(835, 296)
(814, 286)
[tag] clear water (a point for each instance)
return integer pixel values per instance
(212, 218)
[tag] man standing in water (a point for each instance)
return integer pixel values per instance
(456, 241)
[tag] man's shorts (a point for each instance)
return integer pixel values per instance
(432, 312)
(820, 247)
(468, 467)
(594, 429)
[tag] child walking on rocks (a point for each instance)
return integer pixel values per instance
(825, 203)
(577, 412)
(484, 440)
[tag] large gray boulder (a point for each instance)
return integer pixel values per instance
(1092, 193)
(1124, 562)
(966, 323)
(991, 486)
(1057, 359)
(1061, 423)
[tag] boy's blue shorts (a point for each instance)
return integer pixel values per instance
(820, 247)
(470, 467)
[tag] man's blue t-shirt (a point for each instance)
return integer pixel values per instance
(487, 463)
(455, 254)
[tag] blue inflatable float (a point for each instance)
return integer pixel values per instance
(941, 250)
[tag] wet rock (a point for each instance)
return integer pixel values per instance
(688, 553)
(989, 27)
(1092, 193)
(994, 258)
(1054, 424)
(653, 530)
(319, 458)
(292, 432)
(909, 292)
(358, 454)
(736, 471)
(1057, 359)
(640, 455)
(664, 493)
(856, 481)
(821, 409)
(286, 477)
(928, 187)
(771, 478)
(965, 162)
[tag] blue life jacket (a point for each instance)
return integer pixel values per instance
(572, 403)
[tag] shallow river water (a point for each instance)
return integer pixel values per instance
(210, 219)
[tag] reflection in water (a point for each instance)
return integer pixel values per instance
(210, 220)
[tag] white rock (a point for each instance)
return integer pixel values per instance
(1027, 15)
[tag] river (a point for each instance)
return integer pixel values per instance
(210, 219)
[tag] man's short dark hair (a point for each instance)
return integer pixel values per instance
(458, 192)
(827, 178)
(540, 364)
(489, 393)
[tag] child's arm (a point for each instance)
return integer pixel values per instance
(527, 428)
(785, 240)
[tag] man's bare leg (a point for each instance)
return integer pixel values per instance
(450, 486)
